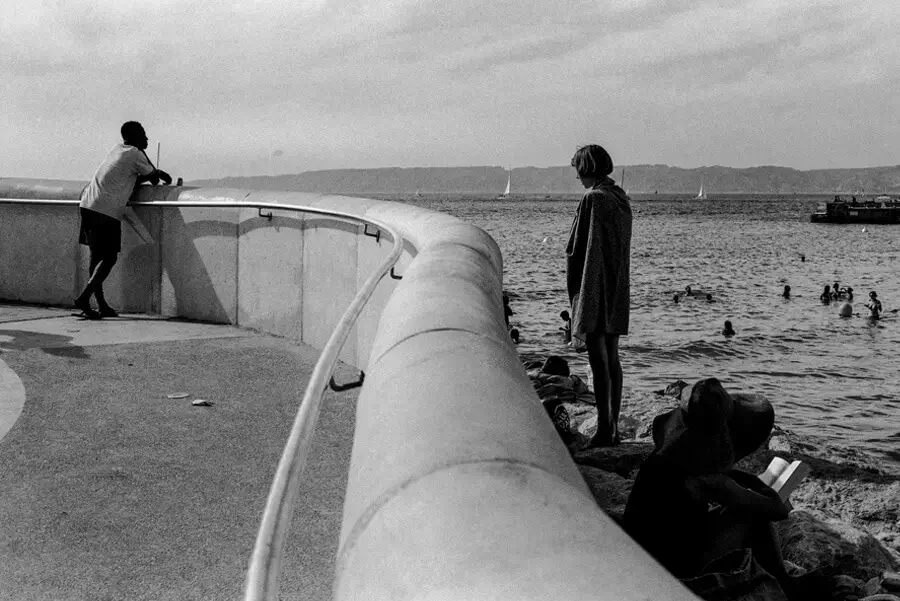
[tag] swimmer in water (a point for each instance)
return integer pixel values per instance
(514, 334)
(507, 310)
(675, 299)
(728, 331)
(567, 329)
(709, 298)
(836, 291)
(826, 295)
(874, 306)
(687, 291)
(849, 291)
(787, 292)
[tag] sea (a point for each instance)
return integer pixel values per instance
(833, 379)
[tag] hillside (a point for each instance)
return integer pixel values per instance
(535, 180)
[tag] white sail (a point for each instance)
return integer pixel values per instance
(508, 182)
(701, 195)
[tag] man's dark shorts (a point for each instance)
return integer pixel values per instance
(101, 233)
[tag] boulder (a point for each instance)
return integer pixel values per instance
(609, 489)
(840, 548)
(624, 459)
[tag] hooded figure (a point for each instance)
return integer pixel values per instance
(687, 501)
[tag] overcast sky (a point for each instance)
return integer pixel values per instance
(284, 86)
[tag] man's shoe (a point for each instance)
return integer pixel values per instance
(108, 311)
(85, 307)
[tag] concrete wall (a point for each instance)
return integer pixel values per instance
(292, 275)
(459, 486)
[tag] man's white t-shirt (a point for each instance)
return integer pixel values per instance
(114, 181)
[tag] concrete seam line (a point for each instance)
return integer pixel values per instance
(373, 361)
(386, 497)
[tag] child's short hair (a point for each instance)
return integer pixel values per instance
(592, 161)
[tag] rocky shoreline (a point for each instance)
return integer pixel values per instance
(846, 516)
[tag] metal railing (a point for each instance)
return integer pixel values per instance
(265, 566)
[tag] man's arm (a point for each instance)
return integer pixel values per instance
(155, 176)
(147, 172)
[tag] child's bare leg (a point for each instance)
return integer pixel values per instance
(615, 377)
(598, 357)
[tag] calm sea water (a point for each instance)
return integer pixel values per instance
(828, 377)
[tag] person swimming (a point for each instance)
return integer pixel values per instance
(787, 292)
(836, 291)
(675, 299)
(728, 330)
(826, 295)
(709, 298)
(874, 305)
(514, 334)
(846, 310)
(567, 329)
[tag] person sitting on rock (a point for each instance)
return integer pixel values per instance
(697, 515)
(728, 330)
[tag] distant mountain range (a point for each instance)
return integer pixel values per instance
(559, 180)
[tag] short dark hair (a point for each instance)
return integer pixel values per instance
(592, 161)
(131, 129)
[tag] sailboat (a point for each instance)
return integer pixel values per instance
(701, 195)
(508, 182)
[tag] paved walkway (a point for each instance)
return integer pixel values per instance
(109, 490)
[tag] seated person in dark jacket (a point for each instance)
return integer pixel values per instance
(689, 507)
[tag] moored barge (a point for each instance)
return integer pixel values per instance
(882, 209)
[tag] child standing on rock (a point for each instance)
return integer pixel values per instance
(598, 273)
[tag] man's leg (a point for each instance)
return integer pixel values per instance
(101, 265)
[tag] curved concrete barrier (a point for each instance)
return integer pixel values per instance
(459, 486)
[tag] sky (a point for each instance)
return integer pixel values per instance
(285, 86)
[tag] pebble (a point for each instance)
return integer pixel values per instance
(178, 395)
(201, 403)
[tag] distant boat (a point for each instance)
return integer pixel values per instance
(701, 195)
(508, 182)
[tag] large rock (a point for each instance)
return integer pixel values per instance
(624, 459)
(813, 543)
(609, 489)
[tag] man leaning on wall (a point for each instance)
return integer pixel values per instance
(103, 203)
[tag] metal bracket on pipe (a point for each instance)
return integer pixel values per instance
(396, 277)
(266, 215)
(339, 387)
(376, 235)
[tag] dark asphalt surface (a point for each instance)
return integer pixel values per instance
(109, 490)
